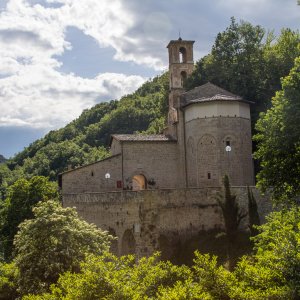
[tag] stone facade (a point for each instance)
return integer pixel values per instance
(150, 220)
(159, 190)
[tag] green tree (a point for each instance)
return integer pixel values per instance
(278, 140)
(213, 279)
(254, 220)
(8, 281)
(110, 277)
(273, 272)
(21, 197)
(232, 215)
(54, 242)
(235, 62)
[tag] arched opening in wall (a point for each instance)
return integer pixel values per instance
(139, 182)
(183, 77)
(182, 55)
(114, 244)
(128, 243)
(165, 247)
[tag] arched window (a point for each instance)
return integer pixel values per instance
(182, 55)
(139, 182)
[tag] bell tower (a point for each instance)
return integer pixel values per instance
(181, 65)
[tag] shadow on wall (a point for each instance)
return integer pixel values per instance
(213, 242)
(128, 242)
(114, 244)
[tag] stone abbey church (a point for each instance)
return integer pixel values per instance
(157, 191)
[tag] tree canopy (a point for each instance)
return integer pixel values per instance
(278, 140)
(56, 240)
(272, 272)
(22, 196)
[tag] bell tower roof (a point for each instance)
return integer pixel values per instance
(180, 41)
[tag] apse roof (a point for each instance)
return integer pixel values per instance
(208, 92)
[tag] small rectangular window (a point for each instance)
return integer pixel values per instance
(227, 143)
(208, 175)
(119, 184)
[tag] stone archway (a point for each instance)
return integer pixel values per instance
(128, 243)
(139, 182)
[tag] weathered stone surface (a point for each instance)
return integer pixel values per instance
(174, 215)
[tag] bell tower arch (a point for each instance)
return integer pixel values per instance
(181, 66)
(180, 61)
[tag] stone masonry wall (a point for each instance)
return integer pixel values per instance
(207, 160)
(157, 161)
(91, 178)
(146, 220)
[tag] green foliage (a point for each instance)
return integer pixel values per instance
(21, 197)
(231, 212)
(278, 140)
(187, 290)
(110, 277)
(232, 215)
(54, 242)
(8, 281)
(214, 279)
(274, 270)
(254, 220)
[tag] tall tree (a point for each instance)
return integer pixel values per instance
(232, 215)
(278, 140)
(56, 240)
(235, 62)
(17, 207)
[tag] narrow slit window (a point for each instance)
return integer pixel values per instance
(208, 176)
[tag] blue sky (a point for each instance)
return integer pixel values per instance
(58, 57)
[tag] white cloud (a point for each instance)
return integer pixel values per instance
(33, 92)
(43, 98)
